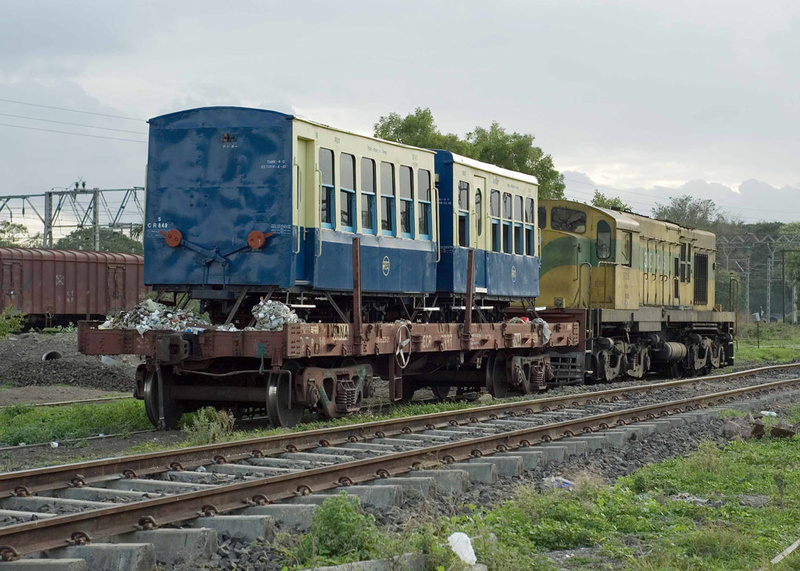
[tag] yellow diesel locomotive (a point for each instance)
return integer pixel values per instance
(647, 287)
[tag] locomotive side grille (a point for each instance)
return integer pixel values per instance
(700, 279)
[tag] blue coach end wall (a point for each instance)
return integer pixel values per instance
(216, 174)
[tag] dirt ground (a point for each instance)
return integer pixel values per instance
(25, 377)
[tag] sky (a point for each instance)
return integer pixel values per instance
(640, 99)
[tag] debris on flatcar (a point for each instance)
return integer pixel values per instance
(151, 315)
(272, 315)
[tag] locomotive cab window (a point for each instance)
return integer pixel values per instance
(406, 202)
(367, 196)
(494, 211)
(387, 199)
(542, 223)
(568, 220)
(327, 191)
(463, 214)
(603, 240)
(627, 249)
(424, 197)
(347, 191)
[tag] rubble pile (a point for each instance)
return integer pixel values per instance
(150, 315)
(272, 315)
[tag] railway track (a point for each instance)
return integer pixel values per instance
(102, 498)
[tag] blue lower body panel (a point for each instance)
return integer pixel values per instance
(501, 275)
(388, 264)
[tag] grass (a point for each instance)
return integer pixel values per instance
(640, 523)
(31, 424)
(779, 343)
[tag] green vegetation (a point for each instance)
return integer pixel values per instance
(779, 342)
(514, 151)
(209, 425)
(11, 321)
(715, 510)
(31, 424)
(110, 241)
(614, 203)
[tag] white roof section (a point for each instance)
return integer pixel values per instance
(472, 163)
(370, 137)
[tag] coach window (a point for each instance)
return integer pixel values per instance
(519, 246)
(494, 211)
(603, 240)
(568, 220)
(327, 192)
(406, 202)
(530, 229)
(367, 195)
(479, 210)
(387, 199)
(347, 191)
(463, 214)
(507, 212)
(424, 198)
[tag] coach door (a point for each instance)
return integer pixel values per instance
(479, 230)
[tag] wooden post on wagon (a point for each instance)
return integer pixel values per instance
(466, 331)
(357, 319)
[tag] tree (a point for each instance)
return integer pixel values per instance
(12, 234)
(110, 241)
(699, 213)
(514, 151)
(614, 203)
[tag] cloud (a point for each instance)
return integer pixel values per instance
(753, 201)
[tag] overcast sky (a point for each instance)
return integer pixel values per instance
(643, 100)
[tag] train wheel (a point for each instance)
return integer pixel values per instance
(282, 408)
(172, 409)
(496, 375)
(441, 392)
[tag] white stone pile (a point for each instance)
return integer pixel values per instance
(271, 315)
(150, 315)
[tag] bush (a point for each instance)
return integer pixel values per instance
(11, 321)
(209, 425)
(340, 532)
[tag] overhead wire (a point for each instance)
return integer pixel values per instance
(72, 124)
(72, 133)
(72, 110)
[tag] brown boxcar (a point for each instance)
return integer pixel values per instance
(55, 287)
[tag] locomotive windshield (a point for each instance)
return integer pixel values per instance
(568, 220)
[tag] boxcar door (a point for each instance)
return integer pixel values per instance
(116, 289)
(12, 285)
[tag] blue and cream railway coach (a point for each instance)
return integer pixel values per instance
(244, 198)
(492, 211)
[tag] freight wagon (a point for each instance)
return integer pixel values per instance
(58, 287)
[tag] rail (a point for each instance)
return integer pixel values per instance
(83, 527)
